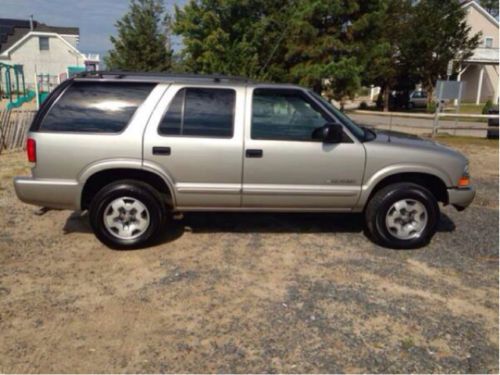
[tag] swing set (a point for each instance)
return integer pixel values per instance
(13, 86)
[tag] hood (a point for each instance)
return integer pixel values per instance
(409, 140)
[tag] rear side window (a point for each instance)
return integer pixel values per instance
(96, 107)
(200, 112)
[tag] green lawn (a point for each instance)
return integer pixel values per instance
(463, 140)
(469, 108)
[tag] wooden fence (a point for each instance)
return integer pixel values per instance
(14, 125)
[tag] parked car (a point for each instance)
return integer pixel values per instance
(493, 133)
(417, 99)
(134, 148)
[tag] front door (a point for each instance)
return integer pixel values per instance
(284, 167)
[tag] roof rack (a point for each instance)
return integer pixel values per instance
(157, 76)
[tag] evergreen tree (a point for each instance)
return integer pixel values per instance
(491, 6)
(316, 43)
(142, 43)
(229, 36)
(328, 44)
(383, 65)
(437, 34)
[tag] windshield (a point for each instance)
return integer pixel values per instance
(354, 129)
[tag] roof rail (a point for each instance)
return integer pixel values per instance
(158, 76)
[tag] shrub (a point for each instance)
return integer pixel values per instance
(431, 107)
(487, 107)
(363, 105)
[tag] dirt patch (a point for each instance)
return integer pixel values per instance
(249, 292)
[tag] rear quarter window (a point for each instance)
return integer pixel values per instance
(95, 107)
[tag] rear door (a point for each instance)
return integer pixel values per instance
(195, 137)
(284, 168)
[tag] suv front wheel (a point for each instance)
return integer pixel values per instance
(402, 216)
(127, 214)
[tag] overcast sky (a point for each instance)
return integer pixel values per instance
(95, 18)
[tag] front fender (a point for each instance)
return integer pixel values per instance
(372, 181)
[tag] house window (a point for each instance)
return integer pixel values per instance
(43, 42)
(488, 42)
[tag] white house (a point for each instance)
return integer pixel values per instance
(42, 49)
(480, 71)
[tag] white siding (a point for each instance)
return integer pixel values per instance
(54, 61)
(480, 23)
(71, 39)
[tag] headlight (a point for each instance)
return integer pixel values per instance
(466, 170)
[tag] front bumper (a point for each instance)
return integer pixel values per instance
(61, 194)
(461, 198)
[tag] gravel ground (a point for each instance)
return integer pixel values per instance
(250, 292)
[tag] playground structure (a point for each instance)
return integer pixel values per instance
(13, 85)
(14, 90)
(45, 83)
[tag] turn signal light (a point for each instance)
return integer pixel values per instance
(464, 181)
(31, 150)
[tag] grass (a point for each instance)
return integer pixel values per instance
(471, 108)
(407, 343)
(464, 140)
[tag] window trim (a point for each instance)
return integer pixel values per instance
(347, 130)
(40, 38)
(348, 138)
(72, 81)
(182, 113)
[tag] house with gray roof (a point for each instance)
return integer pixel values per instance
(42, 49)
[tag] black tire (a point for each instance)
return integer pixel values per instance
(379, 205)
(138, 190)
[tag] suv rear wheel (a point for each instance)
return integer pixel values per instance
(402, 216)
(127, 214)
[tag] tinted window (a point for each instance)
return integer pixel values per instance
(104, 107)
(284, 115)
(200, 112)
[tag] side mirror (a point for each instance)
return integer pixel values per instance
(329, 133)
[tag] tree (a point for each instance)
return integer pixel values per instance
(383, 65)
(491, 6)
(326, 47)
(230, 36)
(312, 42)
(142, 43)
(438, 33)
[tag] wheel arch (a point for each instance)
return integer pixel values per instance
(430, 181)
(95, 181)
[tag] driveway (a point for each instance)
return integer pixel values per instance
(250, 292)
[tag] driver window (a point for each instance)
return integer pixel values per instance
(285, 115)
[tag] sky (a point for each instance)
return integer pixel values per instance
(95, 18)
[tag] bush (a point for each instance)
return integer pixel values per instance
(487, 107)
(363, 105)
(431, 107)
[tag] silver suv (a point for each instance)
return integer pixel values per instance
(134, 148)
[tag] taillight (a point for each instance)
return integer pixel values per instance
(31, 150)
